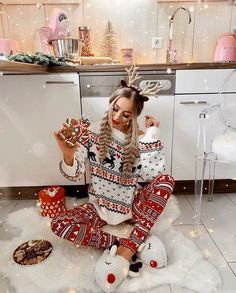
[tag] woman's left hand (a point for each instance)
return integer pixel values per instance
(151, 121)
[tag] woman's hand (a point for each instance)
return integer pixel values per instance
(68, 153)
(151, 121)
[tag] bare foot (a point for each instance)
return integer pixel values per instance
(125, 252)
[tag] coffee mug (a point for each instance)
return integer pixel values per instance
(127, 55)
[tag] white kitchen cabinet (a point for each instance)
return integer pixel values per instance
(31, 108)
(161, 108)
(195, 91)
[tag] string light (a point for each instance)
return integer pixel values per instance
(39, 5)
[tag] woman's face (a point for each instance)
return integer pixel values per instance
(122, 113)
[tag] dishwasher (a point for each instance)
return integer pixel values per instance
(96, 87)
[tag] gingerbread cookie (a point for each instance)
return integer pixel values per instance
(32, 252)
(74, 130)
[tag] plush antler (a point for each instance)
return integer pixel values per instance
(151, 89)
(132, 74)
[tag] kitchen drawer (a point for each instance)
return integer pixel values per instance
(204, 81)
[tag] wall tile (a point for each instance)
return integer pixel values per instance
(182, 31)
(135, 23)
(233, 19)
(2, 32)
(212, 19)
(23, 21)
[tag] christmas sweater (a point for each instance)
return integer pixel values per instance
(110, 191)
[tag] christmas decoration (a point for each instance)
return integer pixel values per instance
(109, 43)
(52, 201)
(39, 58)
(75, 129)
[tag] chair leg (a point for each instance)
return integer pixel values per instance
(200, 167)
(212, 165)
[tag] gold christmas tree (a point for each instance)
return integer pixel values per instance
(109, 43)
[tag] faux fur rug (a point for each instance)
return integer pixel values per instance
(71, 269)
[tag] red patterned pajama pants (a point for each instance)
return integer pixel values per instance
(82, 225)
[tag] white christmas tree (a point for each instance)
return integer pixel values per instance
(109, 43)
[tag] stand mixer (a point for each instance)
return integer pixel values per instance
(57, 28)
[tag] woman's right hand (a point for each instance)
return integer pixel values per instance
(68, 153)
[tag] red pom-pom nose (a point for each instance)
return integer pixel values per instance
(153, 263)
(111, 278)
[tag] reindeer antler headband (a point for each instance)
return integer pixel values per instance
(149, 89)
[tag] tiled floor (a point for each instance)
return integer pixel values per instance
(217, 240)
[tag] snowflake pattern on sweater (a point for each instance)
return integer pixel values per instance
(109, 191)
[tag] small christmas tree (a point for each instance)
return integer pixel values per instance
(109, 43)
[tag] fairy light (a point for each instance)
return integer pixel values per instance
(170, 220)
(191, 9)
(207, 253)
(39, 5)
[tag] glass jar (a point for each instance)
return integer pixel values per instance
(84, 36)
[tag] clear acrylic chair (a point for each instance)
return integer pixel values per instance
(216, 143)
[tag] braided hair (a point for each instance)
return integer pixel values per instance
(131, 149)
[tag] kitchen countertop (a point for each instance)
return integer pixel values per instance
(26, 68)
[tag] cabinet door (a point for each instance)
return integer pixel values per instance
(186, 122)
(32, 107)
(161, 108)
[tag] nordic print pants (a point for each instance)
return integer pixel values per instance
(82, 225)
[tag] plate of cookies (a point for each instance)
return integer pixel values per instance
(32, 252)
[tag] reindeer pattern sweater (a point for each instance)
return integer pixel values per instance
(110, 192)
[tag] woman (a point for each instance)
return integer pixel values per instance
(117, 160)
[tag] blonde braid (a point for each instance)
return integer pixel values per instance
(104, 137)
(130, 152)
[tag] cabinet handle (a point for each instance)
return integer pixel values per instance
(59, 82)
(192, 102)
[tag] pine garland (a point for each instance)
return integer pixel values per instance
(39, 58)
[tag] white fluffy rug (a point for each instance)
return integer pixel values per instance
(70, 269)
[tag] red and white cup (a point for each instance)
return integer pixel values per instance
(52, 201)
